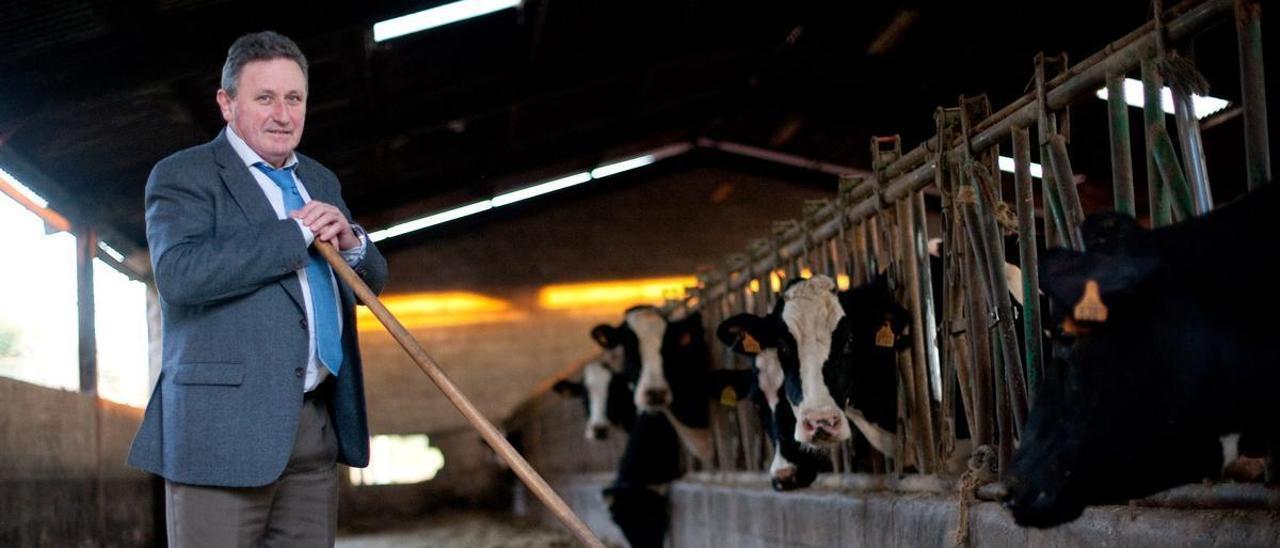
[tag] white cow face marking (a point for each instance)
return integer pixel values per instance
(595, 379)
(812, 313)
(652, 392)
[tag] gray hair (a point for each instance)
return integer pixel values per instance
(259, 46)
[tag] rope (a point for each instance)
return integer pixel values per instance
(1006, 216)
(981, 471)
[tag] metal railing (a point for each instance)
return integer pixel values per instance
(878, 222)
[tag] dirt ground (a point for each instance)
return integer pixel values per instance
(462, 529)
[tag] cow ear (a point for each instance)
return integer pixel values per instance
(605, 335)
(689, 330)
(745, 333)
(900, 321)
(1123, 269)
(569, 389)
(730, 386)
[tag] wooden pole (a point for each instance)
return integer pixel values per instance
(487, 430)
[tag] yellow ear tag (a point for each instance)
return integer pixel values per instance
(884, 337)
(750, 344)
(728, 397)
(1090, 307)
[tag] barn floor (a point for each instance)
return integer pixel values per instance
(462, 530)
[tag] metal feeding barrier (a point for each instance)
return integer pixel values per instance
(970, 355)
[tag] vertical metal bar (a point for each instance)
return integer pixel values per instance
(86, 250)
(1046, 125)
(920, 235)
(1192, 150)
(998, 294)
(923, 413)
(1170, 172)
(1066, 185)
(1051, 236)
(980, 349)
(1027, 256)
(1257, 151)
(1153, 116)
(1121, 152)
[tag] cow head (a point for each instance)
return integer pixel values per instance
(793, 466)
(659, 357)
(818, 348)
(605, 396)
(1111, 419)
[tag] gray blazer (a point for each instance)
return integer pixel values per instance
(225, 408)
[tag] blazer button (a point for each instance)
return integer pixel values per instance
(302, 322)
(299, 372)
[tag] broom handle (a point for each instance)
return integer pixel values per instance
(490, 434)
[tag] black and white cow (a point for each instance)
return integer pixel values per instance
(1168, 346)
(665, 363)
(793, 466)
(605, 396)
(664, 368)
(837, 354)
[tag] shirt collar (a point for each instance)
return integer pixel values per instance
(248, 156)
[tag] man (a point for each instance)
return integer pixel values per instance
(261, 390)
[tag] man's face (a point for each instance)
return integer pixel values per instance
(269, 108)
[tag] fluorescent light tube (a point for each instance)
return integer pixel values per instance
(540, 189)
(437, 17)
(1203, 106)
(619, 167)
(1006, 165)
(431, 220)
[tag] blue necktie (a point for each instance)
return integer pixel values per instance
(323, 303)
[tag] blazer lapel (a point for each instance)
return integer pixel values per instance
(253, 203)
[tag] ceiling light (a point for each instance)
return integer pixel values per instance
(437, 17)
(540, 189)
(1006, 165)
(431, 220)
(1133, 95)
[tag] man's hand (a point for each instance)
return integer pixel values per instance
(328, 224)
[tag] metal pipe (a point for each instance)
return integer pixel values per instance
(1121, 152)
(1065, 181)
(920, 234)
(997, 290)
(1257, 151)
(1054, 201)
(923, 412)
(1166, 161)
(1153, 117)
(913, 172)
(1028, 259)
(1192, 150)
(981, 357)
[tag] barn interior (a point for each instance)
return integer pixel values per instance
(675, 134)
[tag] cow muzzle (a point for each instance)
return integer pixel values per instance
(656, 397)
(823, 427)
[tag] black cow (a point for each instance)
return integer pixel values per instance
(1167, 345)
(606, 397)
(637, 498)
(837, 354)
(793, 466)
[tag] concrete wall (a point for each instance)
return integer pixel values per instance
(749, 514)
(63, 481)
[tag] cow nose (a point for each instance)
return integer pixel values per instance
(656, 396)
(822, 422)
(600, 432)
